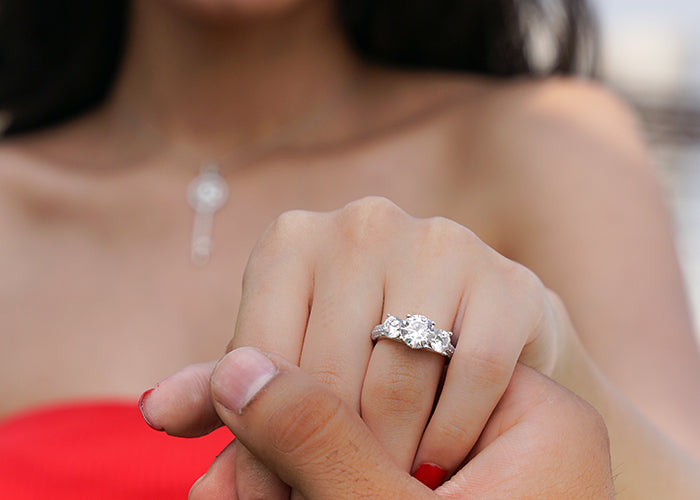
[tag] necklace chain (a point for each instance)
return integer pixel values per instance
(208, 192)
(276, 140)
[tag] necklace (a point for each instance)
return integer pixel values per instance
(206, 194)
(209, 191)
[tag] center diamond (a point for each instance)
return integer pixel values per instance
(417, 331)
(210, 193)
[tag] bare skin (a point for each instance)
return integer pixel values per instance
(94, 254)
(93, 211)
(562, 440)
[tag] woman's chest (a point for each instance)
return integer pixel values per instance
(97, 326)
(108, 301)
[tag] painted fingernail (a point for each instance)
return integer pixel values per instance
(240, 375)
(142, 402)
(430, 475)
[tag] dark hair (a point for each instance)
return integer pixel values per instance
(59, 58)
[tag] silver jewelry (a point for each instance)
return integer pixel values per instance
(417, 332)
(206, 194)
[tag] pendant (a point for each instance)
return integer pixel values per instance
(206, 194)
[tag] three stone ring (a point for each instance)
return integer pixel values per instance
(417, 332)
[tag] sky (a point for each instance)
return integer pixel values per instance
(655, 38)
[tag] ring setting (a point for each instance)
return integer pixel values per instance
(417, 332)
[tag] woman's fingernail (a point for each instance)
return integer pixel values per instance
(142, 402)
(430, 475)
(240, 375)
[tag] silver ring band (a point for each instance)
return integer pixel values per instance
(417, 332)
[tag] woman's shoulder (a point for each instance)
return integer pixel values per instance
(22, 172)
(547, 117)
(535, 149)
(15, 165)
(557, 96)
(537, 134)
(39, 164)
(519, 126)
(24, 152)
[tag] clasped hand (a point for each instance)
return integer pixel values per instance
(317, 283)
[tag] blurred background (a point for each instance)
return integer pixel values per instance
(650, 54)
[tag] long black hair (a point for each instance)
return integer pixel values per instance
(59, 58)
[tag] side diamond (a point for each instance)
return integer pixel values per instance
(440, 340)
(392, 326)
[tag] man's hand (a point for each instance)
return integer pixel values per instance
(542, 441)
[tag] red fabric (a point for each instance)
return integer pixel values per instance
(98, 451)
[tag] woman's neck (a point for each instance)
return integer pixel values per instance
(217, 87)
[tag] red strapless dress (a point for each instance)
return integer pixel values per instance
(98, 451)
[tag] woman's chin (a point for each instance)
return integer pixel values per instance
(222, 10)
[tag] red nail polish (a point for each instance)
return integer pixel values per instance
(142, 400)
(430, 475)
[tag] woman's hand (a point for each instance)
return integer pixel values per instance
(542, 441)
(317, 283)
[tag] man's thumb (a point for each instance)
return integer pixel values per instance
(303, 432)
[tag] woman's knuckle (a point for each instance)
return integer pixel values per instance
(306, 426)
(490, 367)
(371, 214)
(532, 285)
(289, 226)
(448, 240)
(521, 278)
(373, 205)
(395, 391)
(529, 292)
(454, 431)
(367, 224)
(282, 239)
(280, 235)
(555, 301)
(330, 374)
(450, 232)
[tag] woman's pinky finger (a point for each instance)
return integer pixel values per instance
(498, 321)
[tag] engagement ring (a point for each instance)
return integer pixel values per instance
(417, 332)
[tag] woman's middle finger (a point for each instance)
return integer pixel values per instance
(347, 300)
(426, 278)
